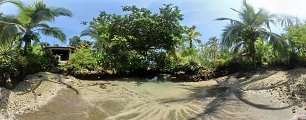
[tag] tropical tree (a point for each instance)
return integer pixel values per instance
(241, 35)
(212, 50)
(32, 19)
(74, 41)
(138, 39)
(8, 31)
(264, 51)
(192, 35)
(296, 36)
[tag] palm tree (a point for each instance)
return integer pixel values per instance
(242, 34)
(213, 48)
(8, 30)
(31, 21)
(192, 35)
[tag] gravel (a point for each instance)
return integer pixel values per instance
(35, 91)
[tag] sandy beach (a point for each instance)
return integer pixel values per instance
(262, 95)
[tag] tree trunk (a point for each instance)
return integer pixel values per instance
(27, 44)
(190, 43)
(253, 52)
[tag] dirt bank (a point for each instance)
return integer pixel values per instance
(29, 95)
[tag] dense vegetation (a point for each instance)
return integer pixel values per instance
(18, 55)
(144, 41)
(141, 41)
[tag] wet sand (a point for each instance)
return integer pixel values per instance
(122, 100)
(257, 96)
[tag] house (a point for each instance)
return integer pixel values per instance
(63, 53)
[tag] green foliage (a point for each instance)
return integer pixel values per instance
(191, 60)
(133, 41)
(74, 41)
(84, 59)
(39, 60)
(11, 60)
(211, 49)
(296, 36)
(241, 35)
(264, 52)
(191, 35)
(31, 21)
(13, 64)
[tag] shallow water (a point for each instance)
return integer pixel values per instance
(144, 99)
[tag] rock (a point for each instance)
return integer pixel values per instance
(38, 94)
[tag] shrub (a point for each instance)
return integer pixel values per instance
(14, 65)
(84, 59)
(11, 62)
(39, 60)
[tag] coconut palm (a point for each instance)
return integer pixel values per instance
(31, 21)
(8, 30)
(241, 35)
(213, 48)
(192, 35)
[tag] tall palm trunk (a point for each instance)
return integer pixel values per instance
(190, 43)
(252, 51)
(27, 44)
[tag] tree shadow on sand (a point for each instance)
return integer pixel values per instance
(234, 95)
(232, 98)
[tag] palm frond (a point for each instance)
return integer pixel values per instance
(285, 20)
(25, 11)
(7, 34)
(248, 13)
(231, 34)
(277, 41)
(263, 17)
(21, 5)
(237, 47)
(59, 11)
(86, 32)
(237, 11)
(38, 12)
(54, 32)
(40, 25)
(229, 19)
(9, 28)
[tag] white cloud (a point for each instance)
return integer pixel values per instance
(294, 8)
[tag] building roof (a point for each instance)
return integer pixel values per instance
(61, 48)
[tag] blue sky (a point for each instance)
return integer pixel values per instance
(196, 12)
